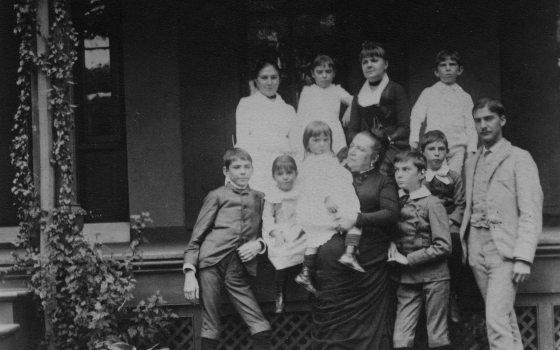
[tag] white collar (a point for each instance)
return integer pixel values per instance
(366, 97)
(440, 174)
(421, 192)
(454, 87)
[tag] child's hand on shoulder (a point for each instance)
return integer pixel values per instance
(394, 256)
(249, 250)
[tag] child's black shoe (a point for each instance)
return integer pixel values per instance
(348, 259)
(279, 298)
(304, 279)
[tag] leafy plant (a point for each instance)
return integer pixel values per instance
(82, 293)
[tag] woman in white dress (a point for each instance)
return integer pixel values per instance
(264, 124)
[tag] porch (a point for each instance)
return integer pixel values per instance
(176, 73)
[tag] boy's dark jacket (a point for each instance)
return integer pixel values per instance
(229, 217)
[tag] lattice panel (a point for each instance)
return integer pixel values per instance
(557, 327)
(289, 331)
(182, 335)
(527, 320)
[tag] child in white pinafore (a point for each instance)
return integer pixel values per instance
(283, 235)
(327, 194)
(321, 101)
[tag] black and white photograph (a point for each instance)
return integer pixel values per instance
(279, 174)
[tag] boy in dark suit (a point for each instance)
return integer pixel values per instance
(223, 247)
(422, 248)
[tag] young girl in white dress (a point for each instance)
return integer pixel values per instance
(327, 194)
(321, 101)
(283, 235)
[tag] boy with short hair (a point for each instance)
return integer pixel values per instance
(447, 185)
(223, 247)
(421, 249)
(447, 107)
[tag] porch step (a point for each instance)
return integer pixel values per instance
(9, 298)
(7, 330)
(10, 337)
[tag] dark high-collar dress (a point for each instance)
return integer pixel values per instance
(352, 309)
(391, 116)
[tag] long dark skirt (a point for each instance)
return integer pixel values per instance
(352, 310)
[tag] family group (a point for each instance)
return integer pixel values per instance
(376, 229)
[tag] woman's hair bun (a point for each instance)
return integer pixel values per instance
(380, 136)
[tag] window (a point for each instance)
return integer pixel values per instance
(100, 119)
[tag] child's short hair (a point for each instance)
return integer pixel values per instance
(448, 54)
(316, 128)
(417, 158)
(322, 60)
(494, 105)
(261, 64)
(433, 136)
(284, 162)
(371, 49)
(234, 154)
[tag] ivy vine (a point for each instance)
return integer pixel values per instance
(81, 292)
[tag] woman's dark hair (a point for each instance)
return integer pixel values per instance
(371, 49)
(494, 105)
(261, 64)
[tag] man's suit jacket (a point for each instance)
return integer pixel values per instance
(514, 202)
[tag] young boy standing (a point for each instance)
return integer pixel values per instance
(447, 185)
(447, 107)
(421, 249)
(223, 247)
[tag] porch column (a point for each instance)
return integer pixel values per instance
(43, 171)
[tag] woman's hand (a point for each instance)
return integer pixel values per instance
(249, 250)
(191, 289)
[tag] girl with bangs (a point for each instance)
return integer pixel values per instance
(327, 195)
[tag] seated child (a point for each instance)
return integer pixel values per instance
(222, 250)
(447, 107)
(447, 185)
(327, 194)
(284, 237)
(422, 246)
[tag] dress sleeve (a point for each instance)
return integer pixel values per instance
(268, 224)
(243, 124)
(402, 114)
(344, 95)
(355, 123)
(388, 212)
(418, 116)
(202, 227)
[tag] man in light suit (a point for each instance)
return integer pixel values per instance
(504, 213)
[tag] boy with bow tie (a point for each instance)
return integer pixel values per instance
(447, 185)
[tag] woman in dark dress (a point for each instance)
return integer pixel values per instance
(352, 310)
(380, 104)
